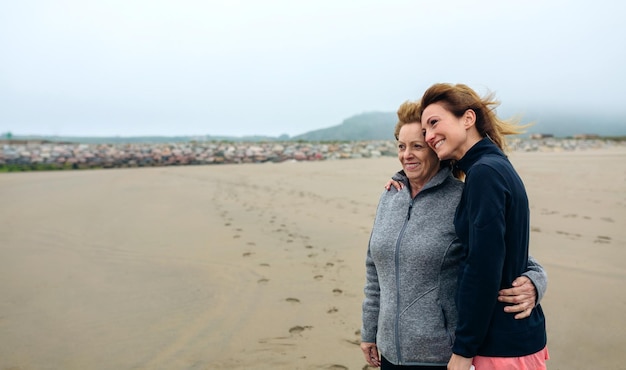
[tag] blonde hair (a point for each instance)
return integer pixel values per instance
(458, 98)
(408, 112)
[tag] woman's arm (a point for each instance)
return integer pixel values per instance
(371, 303)
(539, 277)
(527, 290)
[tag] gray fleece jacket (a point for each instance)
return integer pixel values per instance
(412, 268)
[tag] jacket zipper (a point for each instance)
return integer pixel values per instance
(397, 263)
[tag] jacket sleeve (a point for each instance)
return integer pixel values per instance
(539, 277)
(371, 303)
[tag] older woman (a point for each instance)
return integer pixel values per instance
(413, 259)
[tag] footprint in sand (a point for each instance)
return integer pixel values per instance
(337, 367)
(337, 291)
(247, 254)
(602, 239)
(292, 300)
(299, 329)
(535, 229)
(607, 219)
(357, 339)
(570, 235)
(308, 247)
(318, 277)
(333, 310)
(264, 264)
(251, 243)
(263, 281)
(236, 236)
(311, 255)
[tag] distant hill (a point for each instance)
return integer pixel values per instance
(362, 127)
(380, 126)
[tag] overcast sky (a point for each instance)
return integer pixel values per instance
(151, 67)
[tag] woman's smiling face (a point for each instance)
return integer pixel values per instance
(444, 132)
(418, 161)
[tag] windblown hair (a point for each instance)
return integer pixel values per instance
(409, 112)
(458, 98)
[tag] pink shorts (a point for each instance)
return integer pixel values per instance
(536, 361)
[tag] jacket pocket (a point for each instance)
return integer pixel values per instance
(423, 332)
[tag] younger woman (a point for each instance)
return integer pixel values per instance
(492, 222)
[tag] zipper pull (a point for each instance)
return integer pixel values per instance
(408, 215)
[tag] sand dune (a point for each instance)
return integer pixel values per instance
(258, 266)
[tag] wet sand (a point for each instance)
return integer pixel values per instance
(261, 266)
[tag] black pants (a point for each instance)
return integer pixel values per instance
(386, 365)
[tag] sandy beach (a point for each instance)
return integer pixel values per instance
(261, 266)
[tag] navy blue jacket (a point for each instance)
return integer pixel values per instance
(493, 221)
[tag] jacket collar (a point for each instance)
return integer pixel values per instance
(437, 180)
(481, 148)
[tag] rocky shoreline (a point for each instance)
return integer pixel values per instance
(16, 155)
